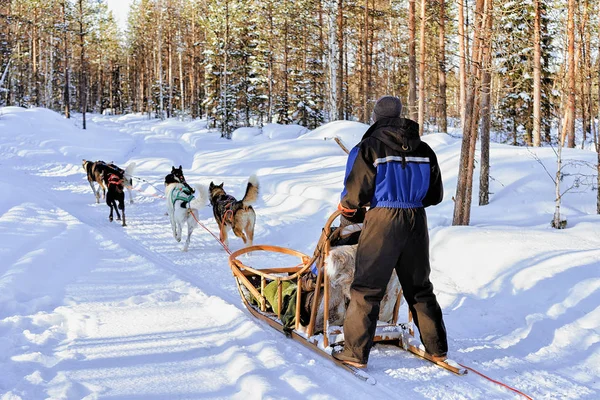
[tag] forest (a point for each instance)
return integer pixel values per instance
(527, 72)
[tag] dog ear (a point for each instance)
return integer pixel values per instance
(172, 169)
(181, 168)
(221, 185)
(212, 185)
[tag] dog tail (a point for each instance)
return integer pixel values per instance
(129, 171)
(200, 199)
(251, 191)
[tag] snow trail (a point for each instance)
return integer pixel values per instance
(91, 310)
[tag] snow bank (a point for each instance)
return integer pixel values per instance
(278, 131)
(245, 134)
(348, 131)
(269, 131)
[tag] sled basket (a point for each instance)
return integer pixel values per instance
(251, 283)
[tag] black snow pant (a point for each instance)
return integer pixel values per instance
(393, 238)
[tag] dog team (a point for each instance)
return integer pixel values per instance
(183, 201)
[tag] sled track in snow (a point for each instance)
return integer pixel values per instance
(118, 235)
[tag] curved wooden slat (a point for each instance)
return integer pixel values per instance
(264, 247)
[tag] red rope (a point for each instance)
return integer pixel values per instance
(213, 235)
(193, 215)
(495, 381)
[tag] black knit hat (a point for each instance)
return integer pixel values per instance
(387, 107)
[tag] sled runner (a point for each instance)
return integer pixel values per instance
(277, 295)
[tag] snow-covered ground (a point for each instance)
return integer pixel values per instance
(89, 309)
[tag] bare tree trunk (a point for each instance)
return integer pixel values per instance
(486, 122)
(588, 76)
(481, 54)
(270, 63)
(34, 58)
(284, 116)
(462, 207)
(598, 128)
(170, 75)
(193, 108)
(423, 57)
(82, 77)
(5, 73)
(346, 74)
(340, 60)
(484, 178)
(556, 220)
(442, 106)
(598, 182)
(66, 97)
(462, 71)
(49, 76)
(412, 63)
(537, 76)
(160, 74)
(586, 89)
(181, 84)
(571, 73)
(225, 128)
(365, 70)
(100, 89)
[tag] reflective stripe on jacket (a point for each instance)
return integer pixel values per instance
(391, 167)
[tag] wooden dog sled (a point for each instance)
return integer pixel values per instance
(395, 332)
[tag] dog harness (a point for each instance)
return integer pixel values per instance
(183, 194)
(114, 179)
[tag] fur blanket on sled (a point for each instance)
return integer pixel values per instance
(339, 265)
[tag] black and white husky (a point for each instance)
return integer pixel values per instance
(182, 206)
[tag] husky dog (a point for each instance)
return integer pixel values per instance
(339, 266)
(114, 180)
(96, 172)
(176, 176)
(231, 213)
(181, 204)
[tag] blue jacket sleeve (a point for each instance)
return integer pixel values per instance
(359, 182)
(435, 193)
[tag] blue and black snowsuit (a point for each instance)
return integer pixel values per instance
(397, 175)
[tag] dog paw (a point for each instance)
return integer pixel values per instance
(124, 224)
(110, 219)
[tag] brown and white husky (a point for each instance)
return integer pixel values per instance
(235, 214)
(98, 171)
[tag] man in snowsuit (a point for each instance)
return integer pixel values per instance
(397, 175)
